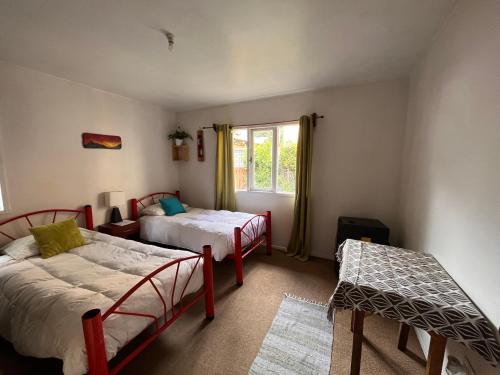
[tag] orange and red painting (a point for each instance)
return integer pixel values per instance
(111, 142)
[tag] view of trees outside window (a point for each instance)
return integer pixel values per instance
(262, 159)
(262, 163)
(287, 158)
(240, 158)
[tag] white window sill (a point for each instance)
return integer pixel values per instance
(269, 193)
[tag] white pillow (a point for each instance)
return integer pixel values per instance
(153, 210)
(87, 234)
(26, 247)
(21, 248)
(157, 210)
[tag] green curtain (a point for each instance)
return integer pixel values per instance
(300, 240)
(225, 198)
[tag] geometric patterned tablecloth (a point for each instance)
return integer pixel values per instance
(413, 288)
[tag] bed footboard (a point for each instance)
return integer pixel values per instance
(93, 320)
(249, 234)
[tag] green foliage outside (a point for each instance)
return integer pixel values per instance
(287, 155)
(263, 160)
(286, 165)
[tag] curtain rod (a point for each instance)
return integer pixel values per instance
(314, 116)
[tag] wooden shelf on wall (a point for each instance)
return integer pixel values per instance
(180, 152)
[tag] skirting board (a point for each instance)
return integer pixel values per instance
(279, 248)
(322, 255)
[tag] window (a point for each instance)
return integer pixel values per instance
(265, 158)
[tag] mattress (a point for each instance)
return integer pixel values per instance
(198, 227)
(42, 300)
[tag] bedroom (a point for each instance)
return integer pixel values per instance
(408, 92)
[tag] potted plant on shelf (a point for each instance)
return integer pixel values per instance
(179, 136)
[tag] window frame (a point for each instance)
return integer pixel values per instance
(250, 186)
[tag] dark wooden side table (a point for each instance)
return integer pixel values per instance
(130, 231)
(355, 228)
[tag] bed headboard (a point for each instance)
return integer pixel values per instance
(26, 219)
(147, 200)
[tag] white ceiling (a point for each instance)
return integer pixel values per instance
(225, 50)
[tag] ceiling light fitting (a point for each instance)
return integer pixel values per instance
(170, 38)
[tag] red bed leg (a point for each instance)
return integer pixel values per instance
(238, 258)
(269, 235)
(133, 209)
(89, 221)
(94, 342)
(178, 194)
(208, 282)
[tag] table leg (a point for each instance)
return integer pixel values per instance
(352, 321)
(357, 341)
(404, 330)
(436, 354)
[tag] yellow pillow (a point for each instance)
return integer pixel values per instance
(57, 238)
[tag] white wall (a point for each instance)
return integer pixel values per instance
(451, 184)
(356, 161)
(41, 121)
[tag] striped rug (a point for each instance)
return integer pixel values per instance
(299, 341)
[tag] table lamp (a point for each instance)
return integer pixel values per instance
(114, 199)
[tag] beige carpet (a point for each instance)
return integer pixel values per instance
(229, 344)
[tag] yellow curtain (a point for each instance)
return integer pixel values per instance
(225, 198)
(299, 245)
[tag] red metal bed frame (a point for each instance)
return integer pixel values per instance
(87, 211)
(248, 231)
(92, 320)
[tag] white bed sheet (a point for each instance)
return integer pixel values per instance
(42, 300)
(5, 259)
(198, 227)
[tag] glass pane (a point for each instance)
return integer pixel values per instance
(263, 159)
(240, 159)
(287, 156)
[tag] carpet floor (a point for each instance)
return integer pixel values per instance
(229, 344)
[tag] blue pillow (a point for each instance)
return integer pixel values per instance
(172, 206)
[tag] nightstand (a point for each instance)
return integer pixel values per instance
(130, 231)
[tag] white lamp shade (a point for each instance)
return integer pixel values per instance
(114, 198)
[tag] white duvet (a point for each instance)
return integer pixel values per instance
(42, 300)
(198, 227)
